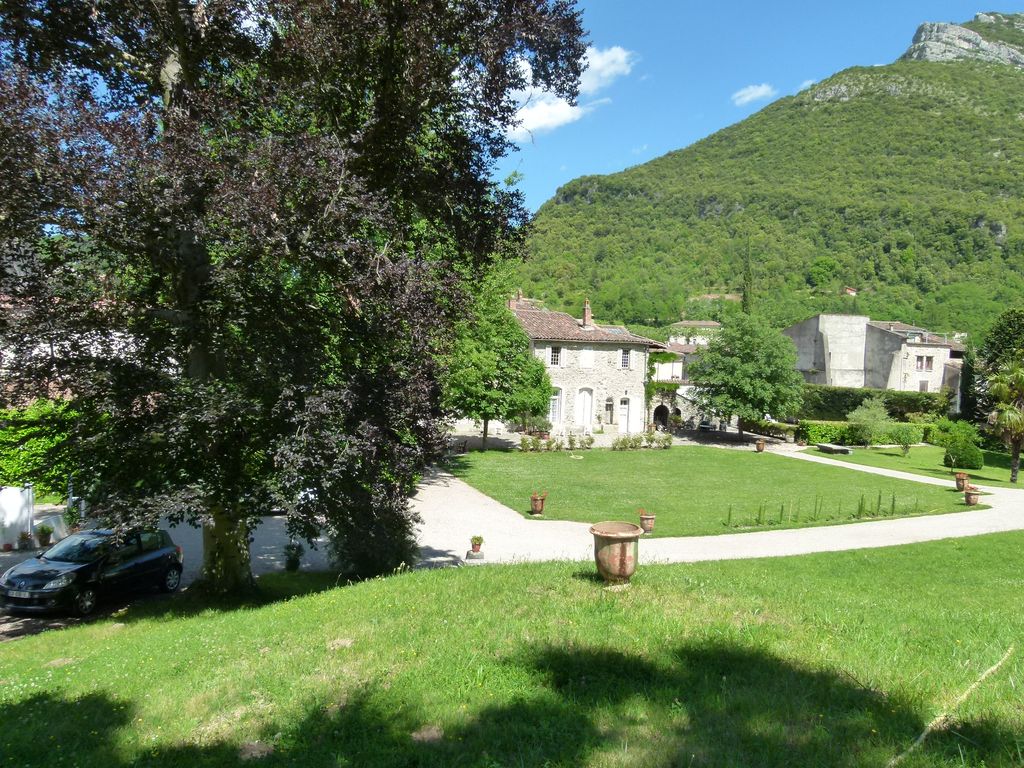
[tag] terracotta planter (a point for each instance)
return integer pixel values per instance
(476, 547)
(759, 445)
(971, 497)
(537, 505)
(8, 547)
(647, 522)
(615, 550)
(44, 541)
(961, 480)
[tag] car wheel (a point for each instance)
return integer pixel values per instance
(85, 601)
(172, 579)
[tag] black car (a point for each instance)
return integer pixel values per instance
(77, 571)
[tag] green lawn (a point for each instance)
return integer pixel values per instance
(691, 489)
(927, 460)
(828, 660)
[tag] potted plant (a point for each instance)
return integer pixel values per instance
(293, 552)
(760, 444)
(475, 542)
(43, 534)
(537, 503)
(8, 546)
(646, 520)
(971, 496)
(24, 540)
(961, 480)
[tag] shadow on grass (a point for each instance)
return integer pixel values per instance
(714, 705)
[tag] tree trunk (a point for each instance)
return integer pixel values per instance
(483, 438)
(226, 554)
(1014, 462)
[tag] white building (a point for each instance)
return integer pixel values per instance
(855, 351)
(598, 371)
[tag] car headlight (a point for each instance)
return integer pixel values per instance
(3, 579)
(60, 581)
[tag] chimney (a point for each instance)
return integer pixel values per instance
(588, 320)
(513, 303)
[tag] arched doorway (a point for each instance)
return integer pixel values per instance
(661, 415)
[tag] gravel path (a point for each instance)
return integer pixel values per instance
(452, 511)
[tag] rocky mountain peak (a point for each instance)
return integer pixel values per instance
(954, 42)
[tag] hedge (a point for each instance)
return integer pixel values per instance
(823, 403)
(770, 428)
(838, 432)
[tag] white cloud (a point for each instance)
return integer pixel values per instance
(753, 93)
(604, 67)
(806, 84)
(540, 111)
(639, 150)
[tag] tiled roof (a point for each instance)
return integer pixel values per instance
(696, 324)
(682, 349)
(543, 324)
(927, 337)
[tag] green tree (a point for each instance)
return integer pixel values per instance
(748, 370)
(969, 384)
(1004, 340)
(237, 235)
(868, 420)
(1006, 389)
(491, 371)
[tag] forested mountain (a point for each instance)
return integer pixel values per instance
(904, 182)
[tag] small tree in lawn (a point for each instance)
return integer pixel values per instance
(868, 420)
(1006, 390)
(748, 370)
(491, 373)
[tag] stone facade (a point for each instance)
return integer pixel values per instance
(598, 372)
(855, 351)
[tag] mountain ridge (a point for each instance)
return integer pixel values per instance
(901, 181)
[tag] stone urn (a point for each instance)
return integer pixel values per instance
(615, 550)
(646, 521)
(961, 480)
(971, 496)
(759, 445)
(537, 503)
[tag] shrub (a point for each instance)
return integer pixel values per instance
(823, 432)
(571, 442)
(650, 438)
(524, 443)
(904, 435)
(961, 443)
(586, 441)
(31, 446)
(664, 440)
(868, 421)
(825, 403)
(549, 444)
(535, 443)
(635, 441)
(619, 443)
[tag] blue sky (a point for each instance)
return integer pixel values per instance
(665, 74)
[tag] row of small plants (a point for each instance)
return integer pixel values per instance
(649, 439)
(535, 444)
(791, 513)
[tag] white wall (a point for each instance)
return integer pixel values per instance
(15, 513)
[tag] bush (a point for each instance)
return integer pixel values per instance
(586, 441)
(868, 421)
(664, 440)
(31, 446)
(904, 435)
(961, 443)
(823, 432)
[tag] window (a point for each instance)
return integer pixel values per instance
(925, 363)
(625, 358)
(587, 357)
(151, 541)
(555, 407)
(928, 363)
(556, 357)
(920, 362)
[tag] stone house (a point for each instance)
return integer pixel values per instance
(686, 339)
(598, 372)
(855, 351)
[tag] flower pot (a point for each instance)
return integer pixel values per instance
(537, 505)
(292, 564)
(8, 547)
(647, 522)
(961, 480)
(44, 539)
(971, 497)
(759, 445)
(476, 547)
(615, 550)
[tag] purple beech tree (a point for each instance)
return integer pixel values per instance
(236, 237)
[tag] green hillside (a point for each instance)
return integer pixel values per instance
(904, 182)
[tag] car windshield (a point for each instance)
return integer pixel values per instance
(78, 548)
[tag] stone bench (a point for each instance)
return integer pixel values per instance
(833, 448)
